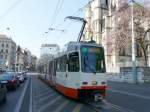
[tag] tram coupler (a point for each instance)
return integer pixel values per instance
(98, 97)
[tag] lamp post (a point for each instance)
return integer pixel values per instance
(133, 45)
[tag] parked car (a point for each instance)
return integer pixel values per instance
(21, 78)
(3, 92)
(22, 75)
(10, 79)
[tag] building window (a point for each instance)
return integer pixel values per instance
(104, 3)
(2, 45)
(102, 25)
(2, 51)
(5, 56)
(139, 52)
(6, 50)
(6, 45)
(122, 52)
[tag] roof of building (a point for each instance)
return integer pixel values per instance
(3, 36)
(49, 45)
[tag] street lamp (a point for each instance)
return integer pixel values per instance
(134, 72)
(133, 45)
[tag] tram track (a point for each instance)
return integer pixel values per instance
(105, 106)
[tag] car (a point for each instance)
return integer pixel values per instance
(10, 79)
(3, 92)
(21, 78)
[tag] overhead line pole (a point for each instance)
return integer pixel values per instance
(83, 26)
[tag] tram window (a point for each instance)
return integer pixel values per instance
(63, 61)
(61, 64)
(92, 59)
(58, 64)
(73, 65)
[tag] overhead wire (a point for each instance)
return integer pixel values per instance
(14, 5)
(76, 13)
(55, 14)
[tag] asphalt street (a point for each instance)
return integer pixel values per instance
(133, 97)
(13, 98)
(121, 97)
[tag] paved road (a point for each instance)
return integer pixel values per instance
(12, 99)
(135, 98)
(46, 99)
(121, 97)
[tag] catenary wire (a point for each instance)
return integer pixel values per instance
(14, 5)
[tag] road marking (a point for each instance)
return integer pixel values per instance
(49, 104)
(44, 89)
(122, 109)
(46, 97)
(43, 94)
(19, 104)
(31, 96)
(77, 108)
(59, 109)
(130, 94)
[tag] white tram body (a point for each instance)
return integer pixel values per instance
(79, 71)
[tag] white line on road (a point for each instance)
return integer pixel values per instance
(43, 94)
(49, 104)
(19, 104)
(77, 108)
(119, 108)
(130, 94)
(31, 96)
(46, 97)
(44, 89)
(59, 109)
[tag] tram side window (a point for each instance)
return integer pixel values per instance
(58, 65)
(61, 64)
(73, 65)
(63, 61)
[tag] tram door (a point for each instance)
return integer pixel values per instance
(54, 72)
(73, 75)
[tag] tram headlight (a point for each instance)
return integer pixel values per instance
(103, 83)
(94, 82)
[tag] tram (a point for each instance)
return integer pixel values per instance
(79, 71)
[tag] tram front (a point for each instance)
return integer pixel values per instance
(93, 72)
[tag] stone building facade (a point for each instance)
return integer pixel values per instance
(100, 22)
(7, 53)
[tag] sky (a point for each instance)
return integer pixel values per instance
(28, 20)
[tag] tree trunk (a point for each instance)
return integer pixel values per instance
(145, 57)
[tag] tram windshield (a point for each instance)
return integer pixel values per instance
(92, 59)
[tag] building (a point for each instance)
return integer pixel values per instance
(98, 16)
(7, 53)
(33, 63)
(29, 59)
(100, 22)
(19, 59)
(49, 49)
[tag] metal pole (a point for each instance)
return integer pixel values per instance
(133, 47)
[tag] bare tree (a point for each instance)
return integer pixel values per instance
(121, 36)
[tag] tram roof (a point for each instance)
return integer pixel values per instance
(74, 46)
